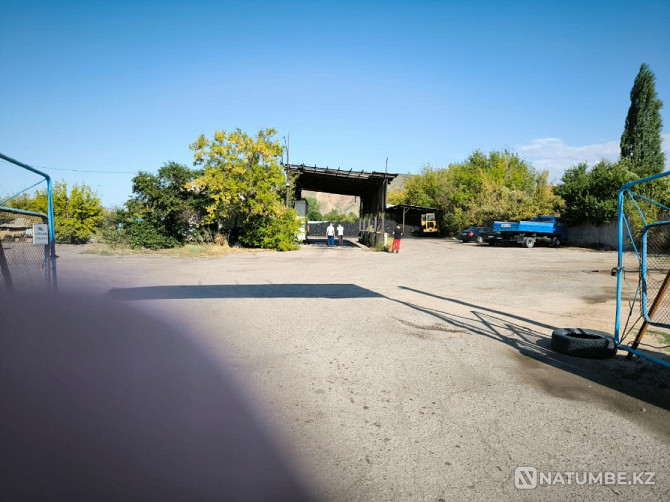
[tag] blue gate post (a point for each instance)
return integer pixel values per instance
(52, 232)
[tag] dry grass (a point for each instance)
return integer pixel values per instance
(661, 339)
(188, 250)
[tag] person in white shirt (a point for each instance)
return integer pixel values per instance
(330, 233)
(340, 233)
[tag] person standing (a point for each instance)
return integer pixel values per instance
(330, 234)
(340, 234)
(397, 235)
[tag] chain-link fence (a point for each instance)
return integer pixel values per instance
(24, 256)
(655, 273)
(27, 238)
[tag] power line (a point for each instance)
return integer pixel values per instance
(87, 170)
(82, 170)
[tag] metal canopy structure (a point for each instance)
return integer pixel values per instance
(405, 208)
(369, 186)
(411, 215)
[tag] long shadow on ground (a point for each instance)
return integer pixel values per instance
(322, 242)
(638, 378)
(242, 291)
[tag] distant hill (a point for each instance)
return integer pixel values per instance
(328, 201)
(345, 203)
(399, 182)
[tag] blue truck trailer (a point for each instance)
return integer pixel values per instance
(546, 229)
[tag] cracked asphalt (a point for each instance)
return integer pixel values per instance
(423, 375)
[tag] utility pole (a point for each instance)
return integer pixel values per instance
(384, 201)
(288, 163)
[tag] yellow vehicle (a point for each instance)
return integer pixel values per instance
(429, 224)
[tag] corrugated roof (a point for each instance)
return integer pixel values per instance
(340, 181)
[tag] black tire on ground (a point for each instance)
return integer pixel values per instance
(480, 239)
(583, 343)
(556, 242)
(528, 242)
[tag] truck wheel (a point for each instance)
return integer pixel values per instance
(556, 242)
(583, 343)
(528, 242)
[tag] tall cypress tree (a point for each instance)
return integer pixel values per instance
(641, 138)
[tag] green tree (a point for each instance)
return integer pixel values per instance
(590, 195)
(313, 209)
(245, 186)
(641, 138)
(77, 212)
(110, 232)
(484, 187)
(428, 188)
(336, 215)
(397, 196)
(163, 212)
(22, 201)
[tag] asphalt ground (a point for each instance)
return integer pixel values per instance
(422, 375)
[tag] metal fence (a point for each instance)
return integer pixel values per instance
(655, 273)
(643, 266)
(27, 238)
(24, 256)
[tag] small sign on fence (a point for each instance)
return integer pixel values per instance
(41, 234)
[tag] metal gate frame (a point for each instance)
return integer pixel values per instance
(625, 230)
(50, 256)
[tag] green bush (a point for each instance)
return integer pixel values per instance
(112, 236)
(142, 234)
(271, 233)
(109, 231)
(381, 246)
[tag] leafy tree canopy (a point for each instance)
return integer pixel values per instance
(483, 188)
(590, 195)
(77, 212)
(244, 185)
(241, 177)
(313, 209)
(397, 196)
(641, 138)
(335, 215)
(163, 212)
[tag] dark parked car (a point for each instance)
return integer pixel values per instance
(477, 234)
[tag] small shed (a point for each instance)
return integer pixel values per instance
(409, 217)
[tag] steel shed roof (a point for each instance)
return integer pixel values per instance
(339, 181)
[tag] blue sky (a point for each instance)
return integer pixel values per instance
(93, 92)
